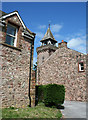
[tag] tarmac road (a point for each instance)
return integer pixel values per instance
(74, 109)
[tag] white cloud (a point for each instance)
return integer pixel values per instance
(39, 35)
(49, 21)
(57, 36)
(81, 49)
(42, 26)
(56, 28)
(75, 42)
(78, 43)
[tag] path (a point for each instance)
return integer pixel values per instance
(74, 109)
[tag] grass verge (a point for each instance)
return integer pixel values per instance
(40, 111)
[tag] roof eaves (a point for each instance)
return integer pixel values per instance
(16, 12)
(48, 39)
(31, 32)
(12, 13)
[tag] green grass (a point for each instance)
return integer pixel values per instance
(40, 111)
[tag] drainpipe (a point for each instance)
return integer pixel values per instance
(32, 42)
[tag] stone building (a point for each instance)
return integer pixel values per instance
(61, 65)
(17, 45)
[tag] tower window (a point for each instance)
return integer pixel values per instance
(81, 66)
(49, 42)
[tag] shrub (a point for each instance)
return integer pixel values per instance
(40, 93)
(51, 94)
(54, 94)
(11, 107)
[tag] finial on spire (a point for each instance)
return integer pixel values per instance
(49, 25)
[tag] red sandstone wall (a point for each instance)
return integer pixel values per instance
(62, 68)
(15, 69)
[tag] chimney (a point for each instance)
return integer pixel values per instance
(62, 44)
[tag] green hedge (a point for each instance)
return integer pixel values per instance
(40, 92)
(51, 94)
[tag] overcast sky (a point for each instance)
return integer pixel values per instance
(67, 21)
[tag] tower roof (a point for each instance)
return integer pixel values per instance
(48, 35)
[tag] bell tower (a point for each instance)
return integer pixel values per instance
(48, 46)
(48, 38)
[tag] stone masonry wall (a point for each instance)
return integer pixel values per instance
(32, 89)
(45, 54)
(15, 69)
(62, 68)
(42, 54)
(43, 51)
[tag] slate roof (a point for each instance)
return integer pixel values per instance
(48, 35)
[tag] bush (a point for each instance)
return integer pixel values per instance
(11, 107)
(39, 93)
(54, 94)
(51, 94)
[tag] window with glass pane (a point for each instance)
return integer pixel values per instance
(11, 34)
(81, 66)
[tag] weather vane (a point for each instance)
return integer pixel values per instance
(49, 25)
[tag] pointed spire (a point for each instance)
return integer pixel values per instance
(48, 35)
